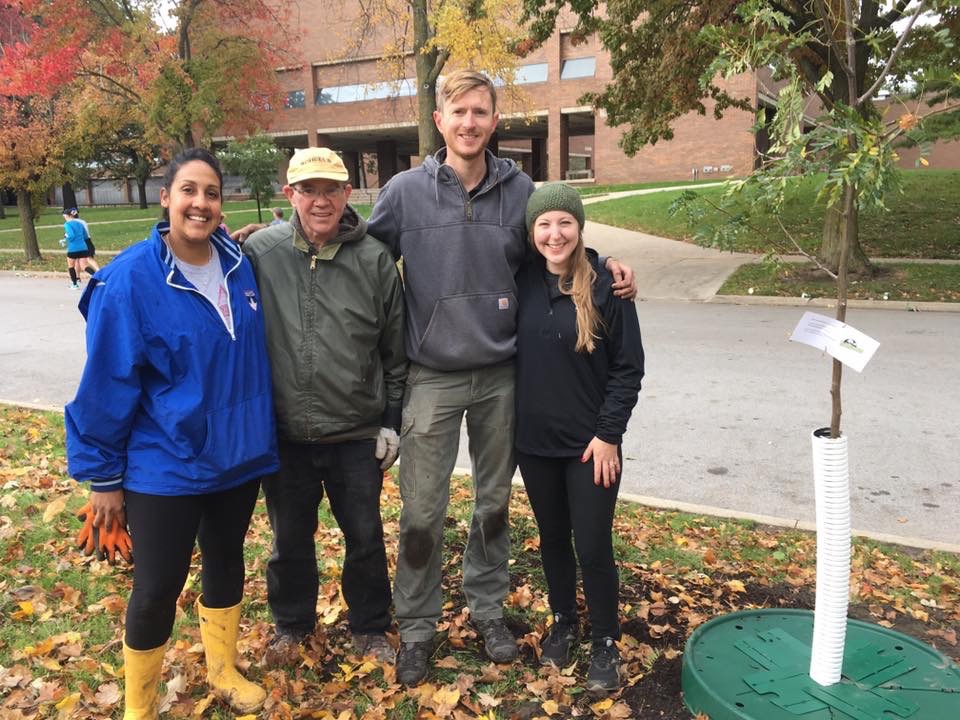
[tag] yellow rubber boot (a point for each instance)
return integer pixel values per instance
(218, 630)
(141, 674)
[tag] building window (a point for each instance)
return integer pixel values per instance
(578, 68)
(527, 74)
(295, 99)
(366, 91)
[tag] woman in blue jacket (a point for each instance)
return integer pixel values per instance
(579, 367)
(173, 425)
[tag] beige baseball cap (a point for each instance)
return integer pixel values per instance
(316, 163)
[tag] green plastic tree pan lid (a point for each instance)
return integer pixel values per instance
(754, 665)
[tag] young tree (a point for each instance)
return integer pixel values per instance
(664, 52)
(255, 159)
(850, 144)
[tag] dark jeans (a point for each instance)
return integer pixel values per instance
(163, 529)
(352, 478)
(565, 501)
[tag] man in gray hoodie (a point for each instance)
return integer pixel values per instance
(458, 221)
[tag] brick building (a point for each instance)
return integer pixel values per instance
(336, 96)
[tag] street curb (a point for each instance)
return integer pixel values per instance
(831, 303)
(788, 523)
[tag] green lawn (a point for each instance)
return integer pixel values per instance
(114, 228)
(918, 282)
(923, 221)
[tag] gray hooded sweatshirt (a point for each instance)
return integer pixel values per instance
(460, 257)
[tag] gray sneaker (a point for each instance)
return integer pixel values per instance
(557, 648)
(604, 674)
(413, 662)
(375, 645)
(498, 641)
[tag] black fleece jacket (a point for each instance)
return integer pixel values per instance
(565, 398)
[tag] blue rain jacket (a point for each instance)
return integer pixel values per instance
(170, 401)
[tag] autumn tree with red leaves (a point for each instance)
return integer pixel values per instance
(34, 118)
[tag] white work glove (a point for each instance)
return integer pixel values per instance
(388, 447)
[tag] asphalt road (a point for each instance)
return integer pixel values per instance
(724, 417)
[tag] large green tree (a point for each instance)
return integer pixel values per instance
(664, 57)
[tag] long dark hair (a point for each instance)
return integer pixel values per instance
(181, 159)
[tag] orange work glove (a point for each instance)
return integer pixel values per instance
(106, 544)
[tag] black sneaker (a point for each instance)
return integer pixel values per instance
(557, 648)
(413, 662)
(498, 641)
(604, 674)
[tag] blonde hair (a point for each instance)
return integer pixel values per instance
(463, 81)
(577, 281)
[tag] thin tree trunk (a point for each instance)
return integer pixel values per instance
(259, 213)
(3, 208)
(69, 196)
(31, 249)
(850, 223)
(142, 192)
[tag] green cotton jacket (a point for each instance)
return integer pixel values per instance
(335, 327)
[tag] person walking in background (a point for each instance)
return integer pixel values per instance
(173, 427)
(457, 220)
(75, 240)
(92, 265)
(333, 301)
(277, 216)
(579, 369)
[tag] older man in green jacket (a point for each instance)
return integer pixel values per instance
(333, 305)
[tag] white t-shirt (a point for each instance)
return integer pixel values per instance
(208, 279)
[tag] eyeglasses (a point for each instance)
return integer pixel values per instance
(330, 193)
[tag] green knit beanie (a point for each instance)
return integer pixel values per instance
(554, 196)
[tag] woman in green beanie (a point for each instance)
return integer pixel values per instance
(579, 367)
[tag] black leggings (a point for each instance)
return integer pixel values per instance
(163, 529)
(565, 501)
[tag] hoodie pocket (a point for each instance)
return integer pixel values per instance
(472, 330)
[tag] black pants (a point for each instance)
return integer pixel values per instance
(352, 478)
(163, 529)
(565, 501)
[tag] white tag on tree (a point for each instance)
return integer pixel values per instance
(845, 343)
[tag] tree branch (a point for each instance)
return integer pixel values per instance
(442, 57)
(893, 56)
(896, 12)
(828, 28)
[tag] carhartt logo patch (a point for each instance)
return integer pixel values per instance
(251, 299)
(503, 303)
